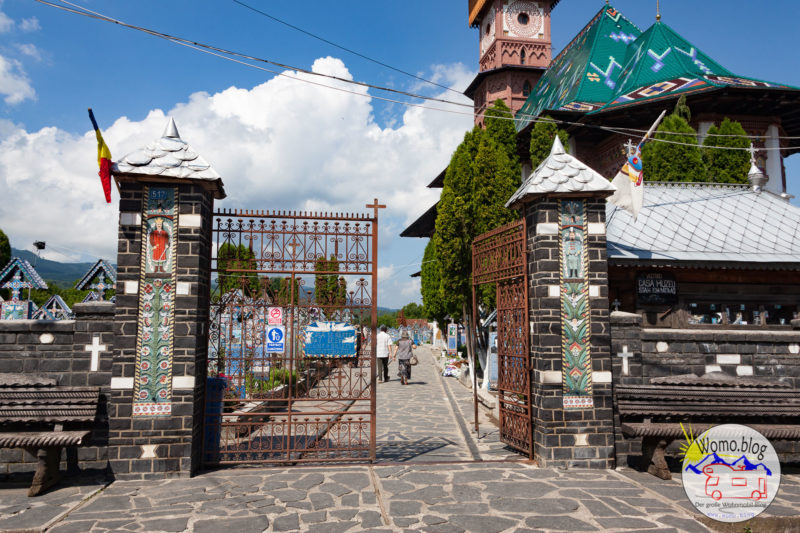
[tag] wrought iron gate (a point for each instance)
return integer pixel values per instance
(499, 256)
(291, 361)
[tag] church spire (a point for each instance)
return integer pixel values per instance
(658, 10)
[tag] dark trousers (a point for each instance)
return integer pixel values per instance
(383, 367)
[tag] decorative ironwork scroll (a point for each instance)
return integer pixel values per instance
(500, 256)
(576, 363)
(153, 380)
(293, 317)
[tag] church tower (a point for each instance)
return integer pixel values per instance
(515, 49)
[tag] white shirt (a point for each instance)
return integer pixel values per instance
(384, 343)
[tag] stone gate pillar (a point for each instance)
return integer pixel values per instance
(158, 374)
(564, 205)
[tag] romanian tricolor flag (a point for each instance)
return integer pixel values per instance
(103, 159)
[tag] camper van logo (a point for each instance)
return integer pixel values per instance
(730, 473)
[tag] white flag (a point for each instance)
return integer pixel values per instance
(629, 181)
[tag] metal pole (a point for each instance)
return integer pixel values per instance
(373, 398)
(471, 332)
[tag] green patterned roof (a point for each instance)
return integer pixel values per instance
(662, 63)
(585, 75)
(612, 64)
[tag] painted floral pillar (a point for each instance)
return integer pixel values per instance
(570, 343)
(564, 203)
(162, 302)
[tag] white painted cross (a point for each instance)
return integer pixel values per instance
(95, 348)
(625, 354)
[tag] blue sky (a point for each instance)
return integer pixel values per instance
(278, 142)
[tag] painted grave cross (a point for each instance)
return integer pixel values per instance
(16, 285)
(100, 278)
(17, 275)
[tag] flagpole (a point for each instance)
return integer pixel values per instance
(91, 117)
(653, 127)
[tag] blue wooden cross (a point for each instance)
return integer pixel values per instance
(16, 285)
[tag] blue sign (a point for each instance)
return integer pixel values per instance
(452, 339)
(276, 339)
(492, 359)
(330, 339)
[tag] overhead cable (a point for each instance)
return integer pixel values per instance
(348, 50)
(224, 54)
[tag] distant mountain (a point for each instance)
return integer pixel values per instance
(713, 458)
(65, 274)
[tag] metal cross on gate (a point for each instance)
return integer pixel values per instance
(375, 206)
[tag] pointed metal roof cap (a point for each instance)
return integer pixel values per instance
(558, 147)
(171, 131)
(170, 157)
(561, 174)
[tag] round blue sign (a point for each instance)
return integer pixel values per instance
(275, 335)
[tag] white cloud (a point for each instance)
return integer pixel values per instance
(6, 23)
(29, 50)
(31, 24)
(282, 144)
(14, 82)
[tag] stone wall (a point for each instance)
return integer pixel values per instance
(57, 349)
(656, 352)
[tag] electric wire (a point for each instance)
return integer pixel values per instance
(348, 50)
(219, 52)
(223, 53)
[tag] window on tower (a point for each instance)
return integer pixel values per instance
(523, 18)
(526, 88)
(522, 56)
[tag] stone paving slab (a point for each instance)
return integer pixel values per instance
(500, 497)
(19, 512)
(427, 478)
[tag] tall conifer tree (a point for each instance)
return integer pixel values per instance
(543, 135)
(725, 165)
(5, 250)
(678, 157)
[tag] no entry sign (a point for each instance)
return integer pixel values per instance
(275, 315)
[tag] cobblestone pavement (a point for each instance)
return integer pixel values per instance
(431, 420)
(409, 489)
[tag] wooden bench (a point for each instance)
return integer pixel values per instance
(42, 418)
(655, 411)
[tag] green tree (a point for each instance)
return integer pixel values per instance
(69, 294)
(543, 135)
(330, 290)
(431, 283)
(5, 250)
(500, 127)
(388, 319)
(726, 165)
(455, 226)
(286, 292)
(232, 258)
(494, 182)
(413, 310)
(682, 109)
(679, 158)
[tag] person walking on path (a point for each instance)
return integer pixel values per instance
(382, 354)
(404, 353)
